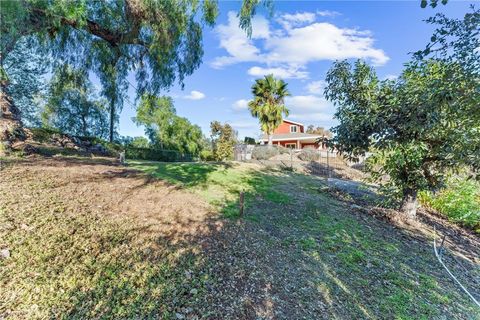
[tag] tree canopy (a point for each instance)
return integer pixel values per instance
(73, 105)
(223, 138)
(160, 42)
(165, 129)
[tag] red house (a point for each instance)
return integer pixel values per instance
(291, 134)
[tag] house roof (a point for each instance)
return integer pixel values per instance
(291, 136)
(293, 122)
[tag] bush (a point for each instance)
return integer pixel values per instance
(43, 134)
(459, 201)
(156, 154)
(207, 155)
(309, 155)
(264, 152)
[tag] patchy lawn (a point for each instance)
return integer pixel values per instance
(89, 239)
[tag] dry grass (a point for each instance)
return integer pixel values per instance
(89, 239)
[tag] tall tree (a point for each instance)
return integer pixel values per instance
(268, 104)
(73, 105)
(165, 129)
(159, 41)
(224, 138)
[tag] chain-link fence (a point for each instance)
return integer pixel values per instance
(321, 162)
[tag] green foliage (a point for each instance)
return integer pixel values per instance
(137, 142)
(73, 106)
(420, 125)
(224, 139)
(165, 129)
(25, 67)
(249, 140)
(153, 154)
(268, 103)
(42, 134)
(207, 155)
(432, 3)
(459, 201)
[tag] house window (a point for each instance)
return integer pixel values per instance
(291, 145)
(293, 129)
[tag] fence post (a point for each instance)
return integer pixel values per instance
(328, 166)
(242, 200)
(291, 159)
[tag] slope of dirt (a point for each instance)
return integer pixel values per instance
(90, 239)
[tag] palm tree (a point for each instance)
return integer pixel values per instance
(268, 103)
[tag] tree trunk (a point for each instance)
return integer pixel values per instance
(11, 128)
(270, 139)
(112, 118)
(409, 203)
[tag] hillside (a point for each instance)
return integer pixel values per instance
(88, 238)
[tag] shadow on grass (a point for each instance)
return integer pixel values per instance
(297, 254)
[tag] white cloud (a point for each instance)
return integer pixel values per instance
(241, 104)
(307, 103)
(195, 95)
(289, 20)
(316, 87)
(235, 41)
(310, 108)
(323, 41)
(327, 13)
(299, 41)
(284, 73)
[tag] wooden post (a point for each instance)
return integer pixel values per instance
(242, 200)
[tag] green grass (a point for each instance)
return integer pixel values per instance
(91, 266)
(219, 184)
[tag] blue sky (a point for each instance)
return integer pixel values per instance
(298, 43)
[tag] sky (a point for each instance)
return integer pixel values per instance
(298, 43)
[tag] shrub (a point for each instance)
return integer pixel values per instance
(264, 152)
(459, 202)
(156, 154)
(207, 155)
(309, 155)
(43, 134)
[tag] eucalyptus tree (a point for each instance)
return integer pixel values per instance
(160, 41)
(268, 103)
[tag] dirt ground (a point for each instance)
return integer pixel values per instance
(265, 267)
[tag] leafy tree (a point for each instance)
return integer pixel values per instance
(159, 41)
(268, 104)
(26, 65)
(419, 125)
(318, 130)
(224, 139)
(139, 142)
(73, 106)
(165, 129)
(249, 140)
